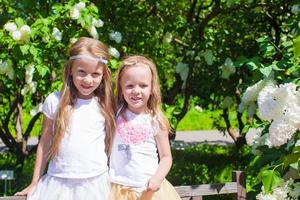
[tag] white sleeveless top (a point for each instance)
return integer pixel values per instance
(81, 153)
(134, 157)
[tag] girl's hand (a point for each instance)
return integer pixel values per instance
(153, 184)
(27, 191)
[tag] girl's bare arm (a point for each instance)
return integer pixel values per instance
(41, 155)
(164, 150)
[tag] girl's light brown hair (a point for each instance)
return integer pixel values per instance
(154, 101)
(91, 47)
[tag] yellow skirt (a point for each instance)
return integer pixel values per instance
(166, 191)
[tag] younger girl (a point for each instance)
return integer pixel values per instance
(142, 129)
(77, 130)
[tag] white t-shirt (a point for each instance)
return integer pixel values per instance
(81, 153)
(134, 157)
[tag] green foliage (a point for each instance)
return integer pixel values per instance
(201, 164)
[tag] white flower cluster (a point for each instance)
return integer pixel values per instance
(228, 68)
(259, 140)
(21, 35)
(116, 36)
(168, 37)
(286, 191)
(92, 29)
(56, 34)
(6, 68)
(36, 109)
(30, 85)
(250, 96)
(113, 52)
(281, 106)
(96, 23)
(75, 12)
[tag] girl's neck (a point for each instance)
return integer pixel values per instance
(138, 113)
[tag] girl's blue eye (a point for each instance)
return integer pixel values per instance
(95, 75)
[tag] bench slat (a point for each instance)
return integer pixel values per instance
(13, 198)
(207, 189)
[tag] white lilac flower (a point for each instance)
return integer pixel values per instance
(56, 34)
(295, 9)
(198, 108)
(116, 36)
(80, 5)
(25, 29)
(276, 101)
(280, 193)
(113, 52)
(280, 132)
(168, 38)
(6, 68)
(297, 143)
(46, 38)
(263, 196)
(10, 27)
(97, 23)
(16, 35)
(36, 109)
(75, 13)
(270, 103)
(25, 33)
(295, 191)
(93, 31)
(73, 40)
(29, 73)
(251, 109)
(30, 87)
(252, 92)
(3, 67)
(228, 68)
(260, 140)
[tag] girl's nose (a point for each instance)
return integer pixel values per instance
(136, 90)
(88, 79)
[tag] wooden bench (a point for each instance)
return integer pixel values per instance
(196, 192)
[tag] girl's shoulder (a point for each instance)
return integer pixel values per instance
(54, 96)
(51, 103)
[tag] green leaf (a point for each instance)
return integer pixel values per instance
(252, 65)
(208, 57)
(291, 158)
(241, 60)
(33, 51)
(266, 70)
(183, 70)
(297, 47)
(19, 21)
(24, 48)
(42, 70)
(270, 179)
(114, 64)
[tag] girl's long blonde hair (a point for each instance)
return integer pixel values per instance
(154, 101)
(95, 48)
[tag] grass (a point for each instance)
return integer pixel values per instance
(205, 120)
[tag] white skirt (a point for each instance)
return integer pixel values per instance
(55, 188)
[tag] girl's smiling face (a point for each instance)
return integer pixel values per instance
(87, 76)
(136, 87)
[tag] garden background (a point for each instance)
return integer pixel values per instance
(223, 64)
